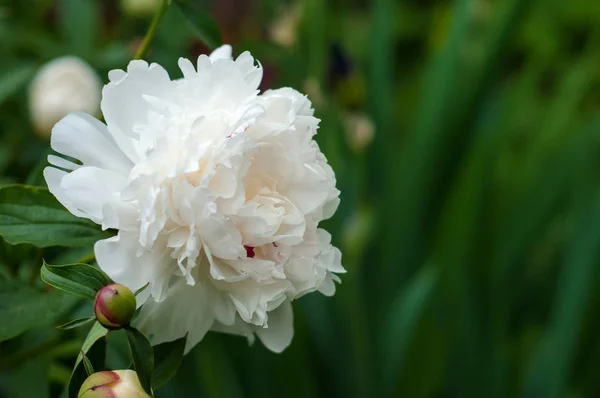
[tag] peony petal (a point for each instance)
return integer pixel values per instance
(85, 191)
(86, 139)
(223, 52)
(123, 103)
(117, 257)
(278, 335)
(169, 319)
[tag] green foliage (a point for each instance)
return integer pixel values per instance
(33, 215)
(167, 359)
(76, 323)
(80, 280)
(143, 357)
(94, 349)
(203, 25)
(23, 307)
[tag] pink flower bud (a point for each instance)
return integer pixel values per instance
(114, 306)
(112, 384)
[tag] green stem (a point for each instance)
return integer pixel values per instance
(143, 50)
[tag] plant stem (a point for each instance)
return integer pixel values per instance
(143, 50)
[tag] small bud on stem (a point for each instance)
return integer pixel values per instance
(114, 306)
(112, 384)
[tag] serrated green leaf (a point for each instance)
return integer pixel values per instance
(143, 357)
(23, 307)
(167, 359)
(32, 215)
(202, 23)
(75, 323)
(82, 280)
(94, 348)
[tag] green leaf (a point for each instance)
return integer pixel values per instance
(552, 363)
(94, 347)
(87, 364)
(167, 359)
(76, 323)
(201, 22)
(403, 319)
(13, 81)
(143, 357)
(32, 215)
(23, 307)
(141, 289)
(82, 280)
(79, 24)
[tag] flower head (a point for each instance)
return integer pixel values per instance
(112, 384)
(114, 306)
(216, 191)
(62, 86)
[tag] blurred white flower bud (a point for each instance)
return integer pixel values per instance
(63, 86)
(112, 384)
(139, 8)
(360, 131)
(283, 30)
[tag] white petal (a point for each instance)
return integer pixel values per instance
(117, 257)
(85, 138)
(123, 103)
(85, 191)
(223, 52)
(173, 318)
(280, 332)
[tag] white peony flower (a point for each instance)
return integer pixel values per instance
(216, 191)
(62, 86)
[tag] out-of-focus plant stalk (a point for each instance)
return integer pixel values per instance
(145, 46)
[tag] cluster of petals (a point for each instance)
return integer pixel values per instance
(216, 191)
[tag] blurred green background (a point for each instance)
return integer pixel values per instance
(465, 137)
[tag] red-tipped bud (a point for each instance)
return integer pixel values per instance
(112, 384)
(114, 306)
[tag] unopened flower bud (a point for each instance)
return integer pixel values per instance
(62, 86)
(360, 131)
(112, 384)
(114, 306)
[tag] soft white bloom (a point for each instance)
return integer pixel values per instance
(139, 7)
(62, 86)
(216, 191)
(284, 30)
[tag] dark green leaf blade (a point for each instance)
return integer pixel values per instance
(33, 215)
(143, 357)
(11, 82)
(94, 348)
(167, 359)
(404, 316)
(82, 280)
(201, 22)
(87, 364)
(75, 323)
(79, 24)
(23, 307)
